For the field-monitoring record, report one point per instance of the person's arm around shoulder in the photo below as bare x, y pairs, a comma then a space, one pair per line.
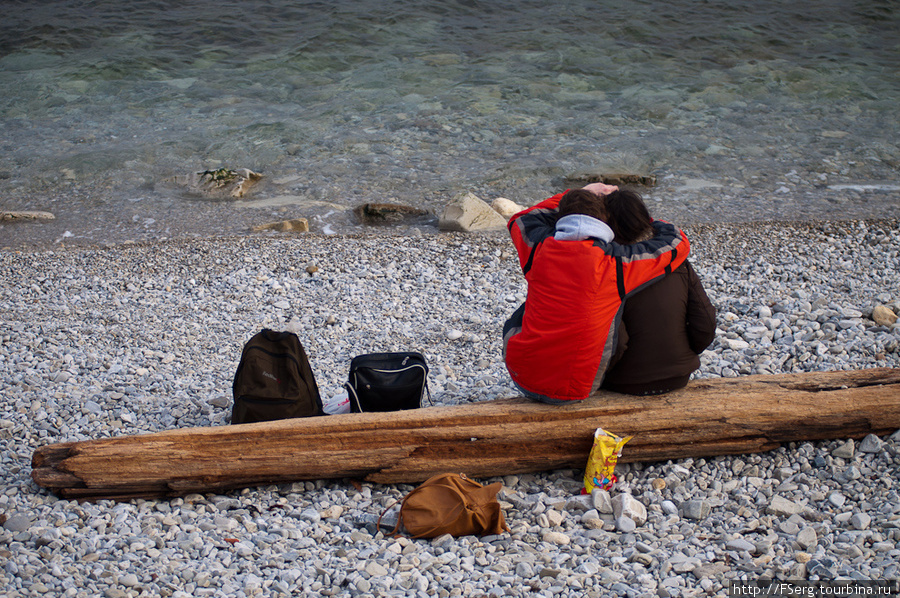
701, 315
532, 225
551, 204
663, 253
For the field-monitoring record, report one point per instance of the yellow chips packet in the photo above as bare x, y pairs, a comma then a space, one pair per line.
601, 465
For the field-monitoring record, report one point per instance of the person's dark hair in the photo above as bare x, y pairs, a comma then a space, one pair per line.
629, 218
582, 201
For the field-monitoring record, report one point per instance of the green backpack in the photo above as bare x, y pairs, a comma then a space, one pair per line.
274, 380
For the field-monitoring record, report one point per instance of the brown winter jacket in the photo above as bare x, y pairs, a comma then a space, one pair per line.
664, 329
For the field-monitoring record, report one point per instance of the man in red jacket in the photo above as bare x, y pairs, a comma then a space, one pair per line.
558, 344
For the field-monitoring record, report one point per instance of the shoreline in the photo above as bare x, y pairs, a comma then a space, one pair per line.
406, 231
144, 337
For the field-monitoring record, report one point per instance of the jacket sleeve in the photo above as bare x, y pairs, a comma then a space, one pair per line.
532, 225
642, 263
701, 315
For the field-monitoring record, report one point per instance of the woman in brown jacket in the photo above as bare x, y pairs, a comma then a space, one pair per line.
665, 326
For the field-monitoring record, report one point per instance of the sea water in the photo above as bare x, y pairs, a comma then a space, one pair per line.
743, 111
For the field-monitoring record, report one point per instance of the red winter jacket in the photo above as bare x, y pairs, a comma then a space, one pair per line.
558, 344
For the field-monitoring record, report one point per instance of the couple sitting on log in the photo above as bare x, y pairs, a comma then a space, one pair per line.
612, 300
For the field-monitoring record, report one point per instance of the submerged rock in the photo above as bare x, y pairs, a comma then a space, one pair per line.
27, 215
299, 225
387, 213
617, 169
611, 178
222, 183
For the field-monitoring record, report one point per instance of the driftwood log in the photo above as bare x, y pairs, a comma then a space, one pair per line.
709, 417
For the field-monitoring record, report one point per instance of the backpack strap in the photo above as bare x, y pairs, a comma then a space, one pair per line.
396, 531
354, 400
428, 391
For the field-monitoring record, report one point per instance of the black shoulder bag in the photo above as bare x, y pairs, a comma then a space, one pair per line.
387, 382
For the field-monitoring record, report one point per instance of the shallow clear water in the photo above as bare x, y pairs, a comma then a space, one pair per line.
744, 111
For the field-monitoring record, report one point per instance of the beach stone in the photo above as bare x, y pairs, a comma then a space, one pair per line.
593, 522
590, 514
824, 568
625, 524
884, 316
220, 401
555, 538
837, 499
625, 505
782, 506
524, 570
860, 521
696, 509
602, 501
842, 518
332, 512
735, 344
375, 570
579, 503
740, 545
709, 570
18, 523
554, 518
871, 444
844, 450
669, 508
506, 207
807, 538
469, 213
849, 474
789, 527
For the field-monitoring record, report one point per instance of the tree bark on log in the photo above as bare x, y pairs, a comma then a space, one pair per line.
707, 418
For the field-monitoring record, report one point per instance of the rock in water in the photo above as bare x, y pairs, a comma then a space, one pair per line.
14, 216
387, 213
298, 225
222, 183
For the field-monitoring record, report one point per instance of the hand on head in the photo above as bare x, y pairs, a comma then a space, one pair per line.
600, 189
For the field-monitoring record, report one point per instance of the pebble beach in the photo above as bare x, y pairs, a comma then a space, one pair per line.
144, 337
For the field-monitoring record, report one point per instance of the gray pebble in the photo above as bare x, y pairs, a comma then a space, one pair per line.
696, 509
18, 523
625, 524
871, 444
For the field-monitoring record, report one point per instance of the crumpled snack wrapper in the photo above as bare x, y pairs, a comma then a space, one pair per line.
601, 465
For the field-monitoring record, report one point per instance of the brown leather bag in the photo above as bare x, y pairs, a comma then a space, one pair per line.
451, 503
